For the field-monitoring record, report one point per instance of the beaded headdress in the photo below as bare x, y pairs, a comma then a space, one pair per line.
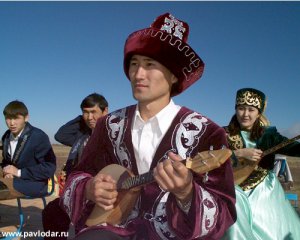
251, 97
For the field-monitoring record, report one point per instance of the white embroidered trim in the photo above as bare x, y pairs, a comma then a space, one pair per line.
173, 26
68, 204
188, 132
160, 220
209, 211
185, 138
182, 47
116, 127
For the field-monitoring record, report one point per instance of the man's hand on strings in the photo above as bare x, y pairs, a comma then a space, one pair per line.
173, 176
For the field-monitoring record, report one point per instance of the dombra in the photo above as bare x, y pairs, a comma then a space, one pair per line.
245, 167
129, 186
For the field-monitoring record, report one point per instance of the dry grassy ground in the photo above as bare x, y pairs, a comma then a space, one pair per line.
61, 153
32, 208
294, 164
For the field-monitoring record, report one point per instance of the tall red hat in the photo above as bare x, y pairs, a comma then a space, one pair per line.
166, 42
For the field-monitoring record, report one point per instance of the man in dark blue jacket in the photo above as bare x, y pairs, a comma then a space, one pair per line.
75, 134
28, 157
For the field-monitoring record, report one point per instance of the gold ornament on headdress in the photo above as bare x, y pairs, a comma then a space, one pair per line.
249, 98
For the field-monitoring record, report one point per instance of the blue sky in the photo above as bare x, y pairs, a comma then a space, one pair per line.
53, 54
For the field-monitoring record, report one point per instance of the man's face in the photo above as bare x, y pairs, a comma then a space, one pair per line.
150, 80
16, 124
91, 115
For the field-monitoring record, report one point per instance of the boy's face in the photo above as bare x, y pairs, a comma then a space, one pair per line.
16, 124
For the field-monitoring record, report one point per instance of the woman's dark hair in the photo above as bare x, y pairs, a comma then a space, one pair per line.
234, 128
93, 100
15, 108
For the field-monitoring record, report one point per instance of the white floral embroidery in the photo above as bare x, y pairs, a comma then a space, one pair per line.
184, 138
188, 133
160, 220
210, 211
68, 193
116, 128
173, 25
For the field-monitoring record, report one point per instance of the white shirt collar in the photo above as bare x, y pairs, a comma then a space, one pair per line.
13, 138
146, 136
161, 120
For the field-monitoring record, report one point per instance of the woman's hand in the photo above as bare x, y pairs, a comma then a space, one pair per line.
251, 154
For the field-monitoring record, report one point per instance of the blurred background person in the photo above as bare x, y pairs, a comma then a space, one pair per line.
74, 133
262, 210
28, 158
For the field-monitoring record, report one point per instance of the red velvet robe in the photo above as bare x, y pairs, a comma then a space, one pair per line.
156, 212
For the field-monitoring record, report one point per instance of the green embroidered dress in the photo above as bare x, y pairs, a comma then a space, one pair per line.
262, 211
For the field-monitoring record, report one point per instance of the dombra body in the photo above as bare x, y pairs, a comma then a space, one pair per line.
129, 186
245, 167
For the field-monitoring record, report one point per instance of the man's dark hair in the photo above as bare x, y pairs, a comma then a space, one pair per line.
93, 100
15, 108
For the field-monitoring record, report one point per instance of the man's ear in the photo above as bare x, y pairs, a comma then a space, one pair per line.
27, 118
174, 79
105, 111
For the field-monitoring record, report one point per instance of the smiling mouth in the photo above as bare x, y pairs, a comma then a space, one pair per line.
138, 85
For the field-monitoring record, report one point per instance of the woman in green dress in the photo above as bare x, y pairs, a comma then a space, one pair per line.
263, 212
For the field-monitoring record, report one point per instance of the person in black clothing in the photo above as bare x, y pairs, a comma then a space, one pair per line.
75, 134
